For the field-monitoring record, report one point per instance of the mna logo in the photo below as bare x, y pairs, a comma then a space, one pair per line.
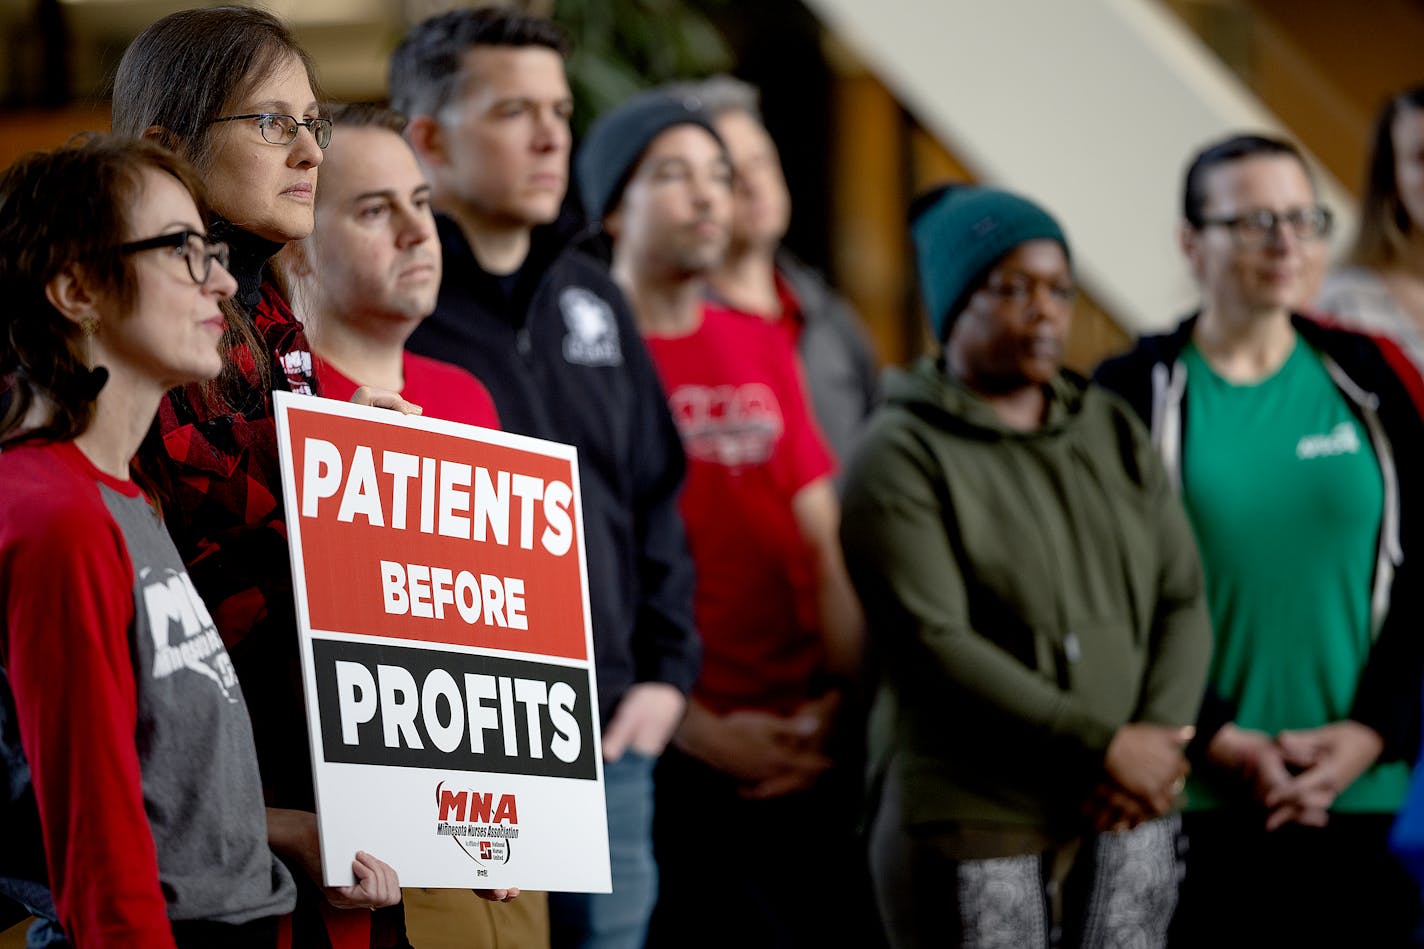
475, 808
482, 825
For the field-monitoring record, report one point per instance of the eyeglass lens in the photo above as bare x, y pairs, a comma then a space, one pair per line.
200, 254
282, 129
1304, 223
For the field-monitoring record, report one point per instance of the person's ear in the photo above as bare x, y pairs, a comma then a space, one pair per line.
427, 139
1189, 240
297, 265
613, 222
165, 137
70, 292
296, 259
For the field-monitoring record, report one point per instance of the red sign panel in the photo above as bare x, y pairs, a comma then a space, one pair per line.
421, 535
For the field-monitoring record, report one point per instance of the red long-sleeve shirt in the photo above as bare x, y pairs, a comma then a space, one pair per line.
130, 716
69, 602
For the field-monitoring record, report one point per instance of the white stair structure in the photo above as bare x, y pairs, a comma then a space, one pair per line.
1092, 107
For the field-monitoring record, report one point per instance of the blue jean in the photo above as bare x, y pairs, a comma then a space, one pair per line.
617, 920
44, 932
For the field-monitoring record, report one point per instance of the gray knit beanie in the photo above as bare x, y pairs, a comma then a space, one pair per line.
617, 139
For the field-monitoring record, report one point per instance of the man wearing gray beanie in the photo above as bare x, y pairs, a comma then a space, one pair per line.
1034, 588
617, 140
780, 626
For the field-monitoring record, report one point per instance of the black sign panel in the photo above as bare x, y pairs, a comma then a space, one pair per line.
426, 708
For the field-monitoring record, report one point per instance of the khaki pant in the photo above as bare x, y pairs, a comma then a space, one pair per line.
458, 919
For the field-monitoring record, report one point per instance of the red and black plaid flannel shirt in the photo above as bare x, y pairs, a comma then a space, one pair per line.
224, 490
223, 506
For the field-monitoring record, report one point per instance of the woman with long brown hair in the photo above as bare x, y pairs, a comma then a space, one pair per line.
1380, 290
230, 89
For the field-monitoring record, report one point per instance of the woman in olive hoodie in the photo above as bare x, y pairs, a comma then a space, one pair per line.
1035, 601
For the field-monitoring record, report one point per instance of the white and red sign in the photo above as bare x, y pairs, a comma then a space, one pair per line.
442, 603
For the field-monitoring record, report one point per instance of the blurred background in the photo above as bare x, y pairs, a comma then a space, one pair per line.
1092, 107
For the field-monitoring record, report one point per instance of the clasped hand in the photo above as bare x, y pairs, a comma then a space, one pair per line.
1297, 775
1146, 770
771, 755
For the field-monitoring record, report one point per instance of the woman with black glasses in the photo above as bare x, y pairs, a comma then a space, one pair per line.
229, 88
121, 719
1296, 449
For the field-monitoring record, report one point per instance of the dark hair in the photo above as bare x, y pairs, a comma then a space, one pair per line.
1384, 221
427, 65
180, 74
186, 69
364, 115
1224, 151
59, 209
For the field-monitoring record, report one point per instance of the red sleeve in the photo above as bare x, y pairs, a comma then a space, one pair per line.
67, 619
1404, 368
333, 384
449, 392
807, 456
486, 415
1398, 361
465, 399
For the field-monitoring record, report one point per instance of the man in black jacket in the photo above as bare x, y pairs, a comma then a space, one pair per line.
547, 331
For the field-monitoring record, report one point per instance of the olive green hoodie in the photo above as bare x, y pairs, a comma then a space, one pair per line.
1026, 594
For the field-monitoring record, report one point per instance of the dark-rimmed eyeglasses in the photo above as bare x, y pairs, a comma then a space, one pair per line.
279, 129
197, 249
1255, 228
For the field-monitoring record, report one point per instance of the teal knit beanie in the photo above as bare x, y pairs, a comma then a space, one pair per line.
962, 231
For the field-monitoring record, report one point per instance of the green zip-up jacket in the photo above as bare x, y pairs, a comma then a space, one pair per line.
1026, 594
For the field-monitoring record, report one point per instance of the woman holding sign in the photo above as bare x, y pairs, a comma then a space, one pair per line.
229, 89
121, 719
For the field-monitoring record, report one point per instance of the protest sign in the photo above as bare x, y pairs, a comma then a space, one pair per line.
442, 605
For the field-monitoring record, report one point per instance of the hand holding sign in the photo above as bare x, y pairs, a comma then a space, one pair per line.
293, 835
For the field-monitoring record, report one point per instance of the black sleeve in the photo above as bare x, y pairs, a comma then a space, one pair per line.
666, 647
867, 369
1216, 713
1387, 697
1129, 377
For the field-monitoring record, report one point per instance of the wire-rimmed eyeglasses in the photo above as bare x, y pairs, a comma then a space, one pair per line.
280, 129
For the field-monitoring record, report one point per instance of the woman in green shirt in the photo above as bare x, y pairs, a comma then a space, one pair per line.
1292, 445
